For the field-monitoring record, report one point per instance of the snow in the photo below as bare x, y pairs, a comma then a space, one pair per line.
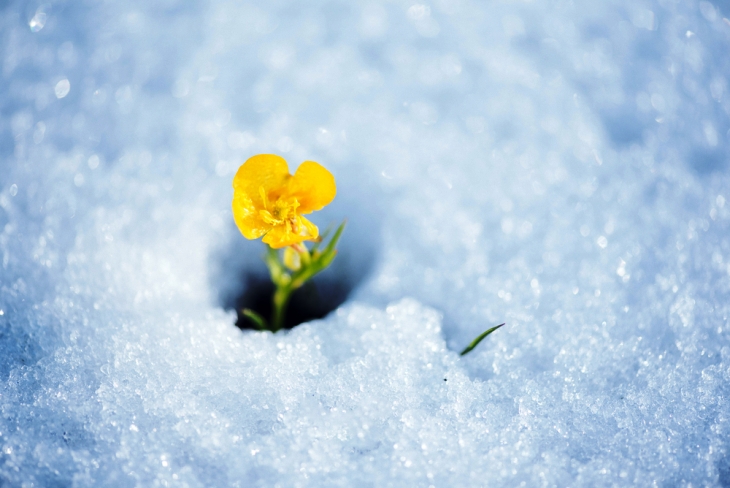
559, 167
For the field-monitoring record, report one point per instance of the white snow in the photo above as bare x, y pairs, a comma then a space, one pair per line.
559, 166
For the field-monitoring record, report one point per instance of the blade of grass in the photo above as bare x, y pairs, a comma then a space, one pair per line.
257, 319
333, 242
322, 237
479, 339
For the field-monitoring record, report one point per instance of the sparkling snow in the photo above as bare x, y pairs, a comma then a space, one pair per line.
559, 166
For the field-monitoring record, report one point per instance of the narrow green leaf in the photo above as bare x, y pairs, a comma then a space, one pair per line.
335, 238
305, 274
257, 319
322, 238
476, 341
328, 258
319, 261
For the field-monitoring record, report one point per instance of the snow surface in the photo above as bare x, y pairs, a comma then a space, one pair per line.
559, 166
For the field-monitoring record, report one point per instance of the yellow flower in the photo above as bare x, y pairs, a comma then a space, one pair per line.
269, 202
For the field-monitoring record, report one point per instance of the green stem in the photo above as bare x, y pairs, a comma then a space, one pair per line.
281, 300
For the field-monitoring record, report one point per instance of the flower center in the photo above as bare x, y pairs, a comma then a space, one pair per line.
283, 210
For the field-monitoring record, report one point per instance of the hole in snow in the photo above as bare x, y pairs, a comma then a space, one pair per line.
314, 300
242, 279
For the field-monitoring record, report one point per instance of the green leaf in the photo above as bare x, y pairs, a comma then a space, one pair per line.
335, 238
476, 341
322, 238
257, 319
328, 258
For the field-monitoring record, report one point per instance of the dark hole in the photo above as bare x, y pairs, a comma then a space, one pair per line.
313, 301
245, 283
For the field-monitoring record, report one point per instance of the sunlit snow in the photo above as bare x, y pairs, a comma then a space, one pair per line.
559, 166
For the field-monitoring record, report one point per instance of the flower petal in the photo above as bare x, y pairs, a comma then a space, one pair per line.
279, 237
283, 235
308, 228
267, 171
313, 186
247, 217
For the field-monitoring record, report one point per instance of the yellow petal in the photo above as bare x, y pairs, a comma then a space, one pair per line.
284, 235
263, 171
310, 230
247, 217
279, 237
313, 186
